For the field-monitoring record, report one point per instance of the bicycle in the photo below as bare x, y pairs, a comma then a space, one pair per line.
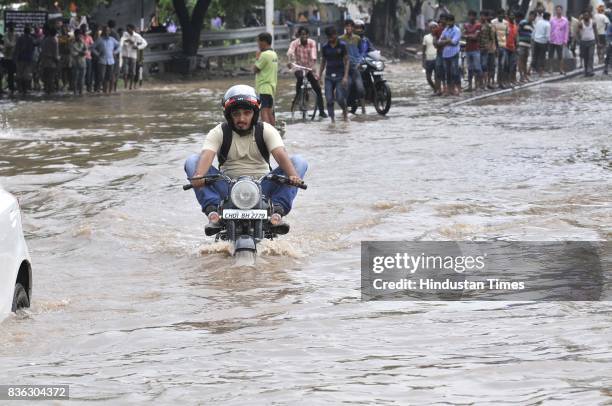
306, 99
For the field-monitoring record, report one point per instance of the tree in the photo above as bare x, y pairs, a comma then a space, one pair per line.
191, 25
84, 6
384, 21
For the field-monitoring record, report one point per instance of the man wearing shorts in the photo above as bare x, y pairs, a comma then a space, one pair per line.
266, 73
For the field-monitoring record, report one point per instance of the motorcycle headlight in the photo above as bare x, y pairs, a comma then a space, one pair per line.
245, 194
379, 65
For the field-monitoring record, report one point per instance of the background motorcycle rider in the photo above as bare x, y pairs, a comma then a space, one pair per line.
241, 109
365, 45
352, 42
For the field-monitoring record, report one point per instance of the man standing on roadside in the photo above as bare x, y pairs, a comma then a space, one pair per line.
49, 59
105, 48
525, 33
471, 33
450, 38
608, 60
8, 64
500, 25
511, 45
541, 37
131, 43
587, 30
559, 36
429, 57
487, 49
602, 22
116, 67
266, 74
24, 60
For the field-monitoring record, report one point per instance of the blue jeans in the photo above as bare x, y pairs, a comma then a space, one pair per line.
474, 65
502, 63
451, 66
333, 86
511, 62
440, 71
214, 193
356, 80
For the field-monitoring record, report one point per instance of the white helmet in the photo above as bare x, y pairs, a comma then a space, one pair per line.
243, 96
358, 23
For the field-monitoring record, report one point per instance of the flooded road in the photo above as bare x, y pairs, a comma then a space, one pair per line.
132, 303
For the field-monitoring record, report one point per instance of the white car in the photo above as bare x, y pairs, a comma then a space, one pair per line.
15, 263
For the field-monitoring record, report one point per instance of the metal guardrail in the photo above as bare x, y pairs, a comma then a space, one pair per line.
165, 47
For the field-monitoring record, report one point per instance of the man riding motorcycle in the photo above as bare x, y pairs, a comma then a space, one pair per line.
243, 146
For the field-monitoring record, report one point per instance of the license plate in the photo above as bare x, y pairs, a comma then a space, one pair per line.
234, 214
377, 73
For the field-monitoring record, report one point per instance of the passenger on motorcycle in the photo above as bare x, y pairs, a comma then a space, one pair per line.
352, 42
243, 146
365, 45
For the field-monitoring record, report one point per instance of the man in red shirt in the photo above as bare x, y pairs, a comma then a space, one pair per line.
471, 33
511, 46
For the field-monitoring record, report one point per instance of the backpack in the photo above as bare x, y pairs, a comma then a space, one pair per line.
227, 143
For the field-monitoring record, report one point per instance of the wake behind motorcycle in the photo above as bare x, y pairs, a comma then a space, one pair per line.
246, 216
377, 90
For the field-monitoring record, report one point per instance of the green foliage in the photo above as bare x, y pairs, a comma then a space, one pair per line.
84, 6
231, 10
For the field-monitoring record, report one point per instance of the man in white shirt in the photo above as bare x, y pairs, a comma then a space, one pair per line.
601, 23
131, 43
541, 38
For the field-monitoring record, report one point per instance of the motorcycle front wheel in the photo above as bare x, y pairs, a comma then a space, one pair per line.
382, 98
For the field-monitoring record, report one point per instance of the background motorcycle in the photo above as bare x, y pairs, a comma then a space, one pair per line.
377, 91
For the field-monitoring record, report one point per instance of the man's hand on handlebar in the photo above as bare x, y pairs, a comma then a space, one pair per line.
197, 183
295, 180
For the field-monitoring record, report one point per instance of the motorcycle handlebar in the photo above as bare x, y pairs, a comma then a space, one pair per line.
285, 181
208, 179
275, 178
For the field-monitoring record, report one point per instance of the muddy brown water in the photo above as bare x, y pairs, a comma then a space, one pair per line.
133, 304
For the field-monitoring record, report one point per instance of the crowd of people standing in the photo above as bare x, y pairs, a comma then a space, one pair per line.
56, 58
504, 49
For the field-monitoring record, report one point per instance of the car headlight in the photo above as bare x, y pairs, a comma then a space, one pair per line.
245, 194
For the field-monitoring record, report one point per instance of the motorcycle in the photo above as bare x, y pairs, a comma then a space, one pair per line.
377, 91
245, 217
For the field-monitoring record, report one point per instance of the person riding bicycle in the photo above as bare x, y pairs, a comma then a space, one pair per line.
243, 145
303, 51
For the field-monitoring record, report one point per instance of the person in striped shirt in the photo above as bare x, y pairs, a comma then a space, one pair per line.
525, 32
